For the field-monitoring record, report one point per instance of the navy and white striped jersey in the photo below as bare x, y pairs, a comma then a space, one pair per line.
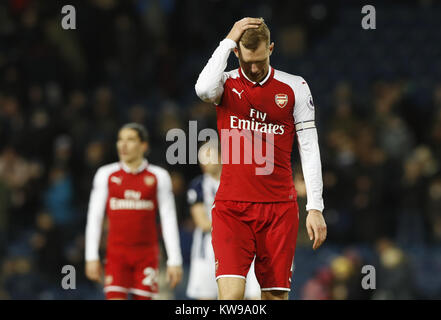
202, 189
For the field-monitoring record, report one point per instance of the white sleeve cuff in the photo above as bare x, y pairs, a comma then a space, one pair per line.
315, 206
174, 262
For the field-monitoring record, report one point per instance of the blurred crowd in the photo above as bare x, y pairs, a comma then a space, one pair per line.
65, 93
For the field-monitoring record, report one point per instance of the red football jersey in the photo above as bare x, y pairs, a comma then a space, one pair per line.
131, 208
265, 116
263, 113
131, 201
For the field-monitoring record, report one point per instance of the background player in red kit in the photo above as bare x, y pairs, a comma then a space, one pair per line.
131, 192
257, 214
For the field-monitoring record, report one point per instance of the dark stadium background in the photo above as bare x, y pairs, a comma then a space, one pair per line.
64, 94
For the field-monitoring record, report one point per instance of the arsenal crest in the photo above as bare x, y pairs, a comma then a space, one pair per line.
149, 181
281, 99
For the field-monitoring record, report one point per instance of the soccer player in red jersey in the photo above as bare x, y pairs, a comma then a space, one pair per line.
131, 192
255, 213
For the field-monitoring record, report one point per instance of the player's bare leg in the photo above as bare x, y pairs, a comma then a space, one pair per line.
275, 295
231, 288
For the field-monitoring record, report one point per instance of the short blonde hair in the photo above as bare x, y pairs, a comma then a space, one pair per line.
251, 38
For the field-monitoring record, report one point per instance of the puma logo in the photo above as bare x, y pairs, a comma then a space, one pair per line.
116, 180
238, 93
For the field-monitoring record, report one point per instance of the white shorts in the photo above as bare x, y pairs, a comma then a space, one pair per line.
201, 282
202, 279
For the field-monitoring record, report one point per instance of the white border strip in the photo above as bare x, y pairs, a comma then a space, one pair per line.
231, 276
115, 289
138, 292
275, 288
143, 293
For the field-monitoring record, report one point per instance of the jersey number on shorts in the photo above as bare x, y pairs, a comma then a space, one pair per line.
150, 276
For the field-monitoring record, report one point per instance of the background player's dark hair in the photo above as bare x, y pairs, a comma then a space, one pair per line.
139, 128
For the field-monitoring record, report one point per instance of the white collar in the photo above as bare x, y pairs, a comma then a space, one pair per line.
141, 167
261, 82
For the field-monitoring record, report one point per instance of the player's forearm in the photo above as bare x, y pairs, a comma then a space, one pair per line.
170, 233
209, 86
95, 217
312, 168
169, 221
200, 217
170, 230
92, 240
95, 214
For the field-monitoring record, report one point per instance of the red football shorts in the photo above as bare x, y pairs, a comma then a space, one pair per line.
131, 270
242, 230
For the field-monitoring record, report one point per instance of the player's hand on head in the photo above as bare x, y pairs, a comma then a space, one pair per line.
174, 275
316, 226
241, 26
94, 270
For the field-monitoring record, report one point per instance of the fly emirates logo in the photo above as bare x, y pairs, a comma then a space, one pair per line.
255, 123
132, 201
250, 142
